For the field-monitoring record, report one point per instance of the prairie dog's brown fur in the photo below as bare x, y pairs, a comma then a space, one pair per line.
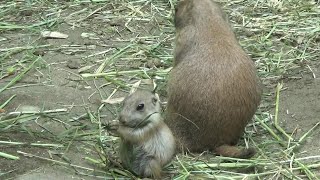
213, 88
147, 143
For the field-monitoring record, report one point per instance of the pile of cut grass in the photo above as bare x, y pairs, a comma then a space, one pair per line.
280, 36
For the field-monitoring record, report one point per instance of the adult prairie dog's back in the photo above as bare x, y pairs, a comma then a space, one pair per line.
202, 26
213, 89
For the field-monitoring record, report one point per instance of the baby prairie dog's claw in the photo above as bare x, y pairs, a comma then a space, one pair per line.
113, 125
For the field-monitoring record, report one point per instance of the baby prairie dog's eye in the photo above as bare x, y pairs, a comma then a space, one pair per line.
140, 107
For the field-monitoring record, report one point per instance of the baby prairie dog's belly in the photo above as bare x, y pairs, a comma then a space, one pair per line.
161, 145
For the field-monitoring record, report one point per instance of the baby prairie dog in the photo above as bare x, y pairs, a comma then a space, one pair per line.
147, 143
213, 88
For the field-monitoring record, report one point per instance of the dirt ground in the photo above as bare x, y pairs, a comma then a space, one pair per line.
299, 112
56, 88
299, 108
55, 84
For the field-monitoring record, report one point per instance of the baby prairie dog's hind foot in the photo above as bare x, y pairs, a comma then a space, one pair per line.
148, 166
235, 152
153, 169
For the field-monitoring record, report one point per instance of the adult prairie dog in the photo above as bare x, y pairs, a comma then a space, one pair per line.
213, 88
147, 143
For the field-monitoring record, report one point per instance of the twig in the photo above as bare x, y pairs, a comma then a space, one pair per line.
9, 156
38, 112
59, 162
7, 101
276, 123
18, 77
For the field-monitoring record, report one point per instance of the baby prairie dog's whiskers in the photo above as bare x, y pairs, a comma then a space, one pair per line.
145, 120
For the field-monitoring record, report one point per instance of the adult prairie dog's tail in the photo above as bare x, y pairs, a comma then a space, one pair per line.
235, 152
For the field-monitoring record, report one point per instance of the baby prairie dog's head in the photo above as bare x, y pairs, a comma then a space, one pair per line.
140, 108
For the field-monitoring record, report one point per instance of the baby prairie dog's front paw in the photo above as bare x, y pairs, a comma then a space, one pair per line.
114, 125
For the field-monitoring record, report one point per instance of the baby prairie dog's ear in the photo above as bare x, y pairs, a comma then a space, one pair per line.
155, 99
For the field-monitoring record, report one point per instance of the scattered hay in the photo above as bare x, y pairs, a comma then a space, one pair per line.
133, 40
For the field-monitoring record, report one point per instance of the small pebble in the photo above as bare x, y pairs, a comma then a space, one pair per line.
153, 62
39, 53
26, 13
116, 22
73, 64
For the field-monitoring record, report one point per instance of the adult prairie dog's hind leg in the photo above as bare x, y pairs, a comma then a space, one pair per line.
147, 166
234, 151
